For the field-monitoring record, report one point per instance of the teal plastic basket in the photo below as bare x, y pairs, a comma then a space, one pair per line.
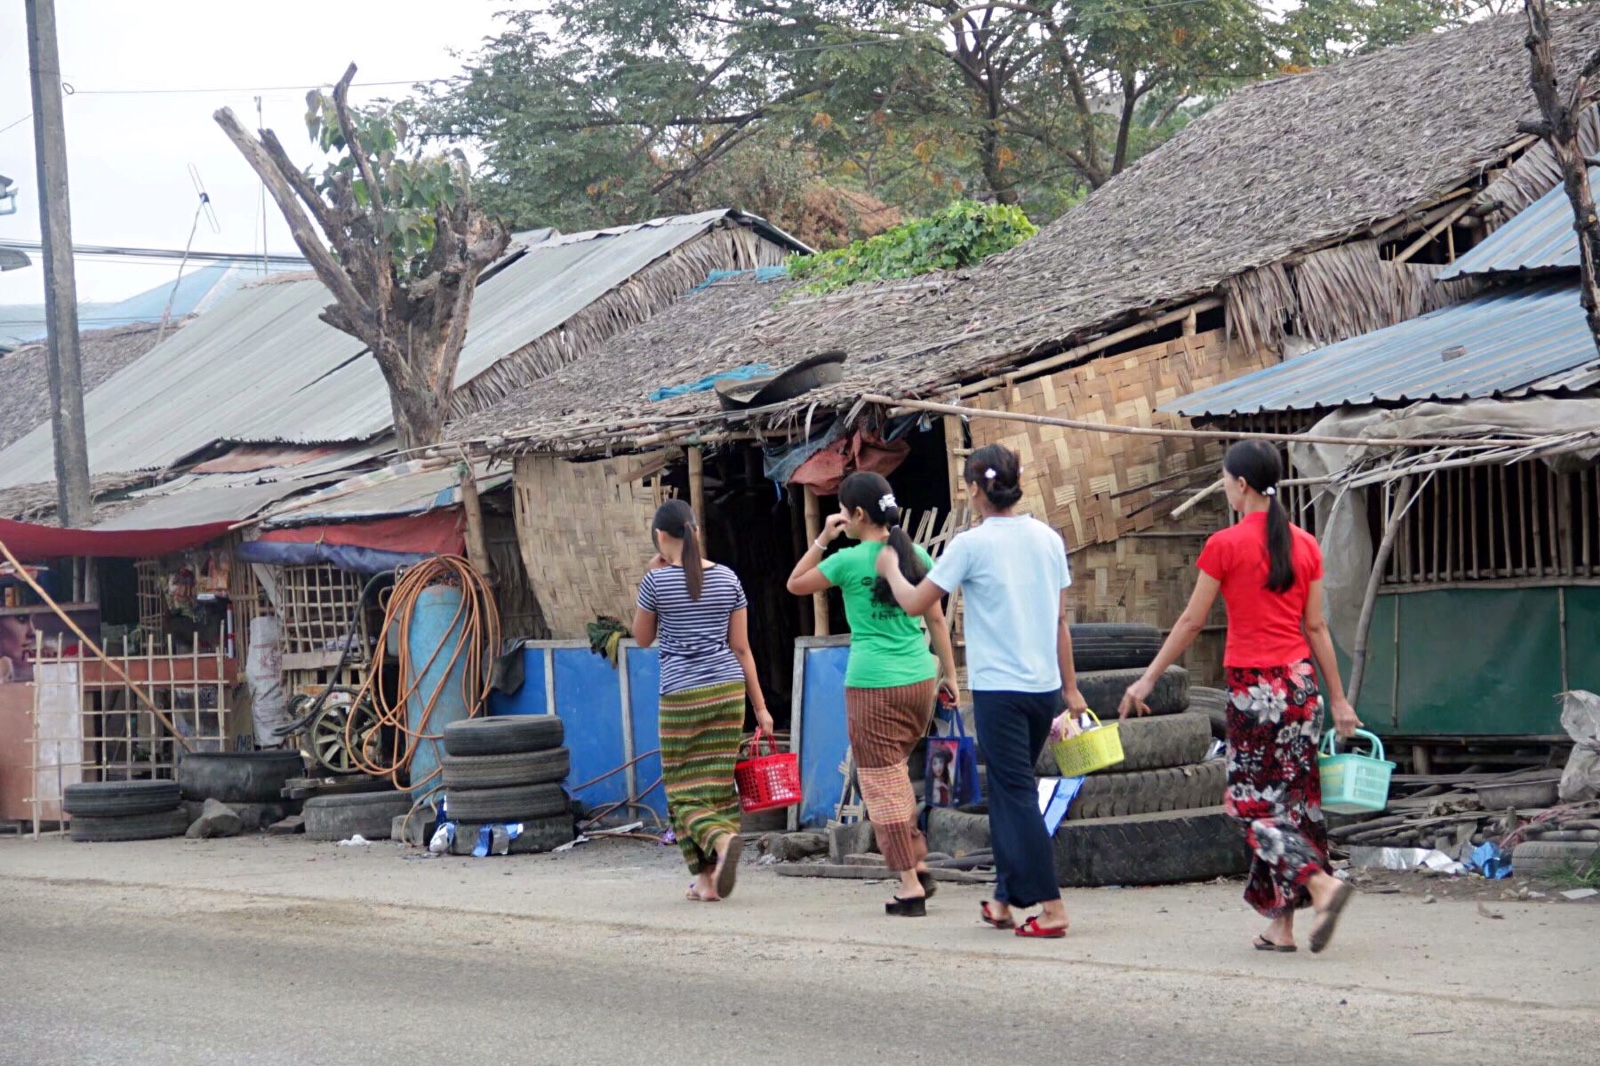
1354, 783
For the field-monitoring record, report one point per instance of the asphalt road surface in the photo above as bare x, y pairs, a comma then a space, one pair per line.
100, 973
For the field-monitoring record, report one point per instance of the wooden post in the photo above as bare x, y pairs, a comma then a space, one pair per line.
1380, 562
697, 490
819, 600
75, 498
955, 442
477, 543
797, 527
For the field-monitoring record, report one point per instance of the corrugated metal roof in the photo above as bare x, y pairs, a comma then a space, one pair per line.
404, 489
197, 507
1528, 339
263, 368
1540, 237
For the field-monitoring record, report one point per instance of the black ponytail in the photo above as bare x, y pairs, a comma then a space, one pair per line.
676, 519
997, 470
872, 494
1258, 465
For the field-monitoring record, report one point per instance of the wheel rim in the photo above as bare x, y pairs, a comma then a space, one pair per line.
328, 732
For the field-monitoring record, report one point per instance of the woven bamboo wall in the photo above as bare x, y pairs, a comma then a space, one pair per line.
1076, 479
584, 530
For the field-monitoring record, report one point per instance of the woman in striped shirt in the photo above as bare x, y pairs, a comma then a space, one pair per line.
697, 610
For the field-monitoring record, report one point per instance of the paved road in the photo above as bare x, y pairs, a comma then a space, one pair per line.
101, 973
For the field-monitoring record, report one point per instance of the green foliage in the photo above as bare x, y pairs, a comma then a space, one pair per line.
411, 192
962, 234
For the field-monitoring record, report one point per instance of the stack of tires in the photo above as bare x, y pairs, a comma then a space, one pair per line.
104, 811
1156, 817
508, 770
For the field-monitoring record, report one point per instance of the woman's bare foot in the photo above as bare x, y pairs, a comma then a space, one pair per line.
704, 889
1280, 933
1053, 915
910, 886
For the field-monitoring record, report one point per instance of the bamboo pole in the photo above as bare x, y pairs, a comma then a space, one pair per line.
472, 508
144, 698
819, 600
1369, 600
1214, 434
697, 487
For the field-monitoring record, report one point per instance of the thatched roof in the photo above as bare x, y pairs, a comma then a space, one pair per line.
25, 380
1279, 170
37, 502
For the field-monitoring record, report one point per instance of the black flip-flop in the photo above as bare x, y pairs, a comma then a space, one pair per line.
900, 907
728, 866
1263, 944
1328, 920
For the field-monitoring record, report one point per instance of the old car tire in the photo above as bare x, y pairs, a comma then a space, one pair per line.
238, 776
1213, 703
156, 826
1103, 689
502, 771
1179, 788
1150, 849
538, 835
1114, 645
369, 814
518, 804
113, 799
1536, 858
506, 735
1154, 743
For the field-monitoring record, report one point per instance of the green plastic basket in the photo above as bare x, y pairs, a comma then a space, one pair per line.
1354, 783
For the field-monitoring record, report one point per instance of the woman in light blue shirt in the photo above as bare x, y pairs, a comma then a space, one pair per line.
1013, 572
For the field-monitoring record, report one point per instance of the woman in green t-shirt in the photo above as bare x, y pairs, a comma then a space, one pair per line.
891, 679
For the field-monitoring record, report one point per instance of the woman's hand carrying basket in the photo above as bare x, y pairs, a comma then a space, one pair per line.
1093, 749
1354, 784
767, 780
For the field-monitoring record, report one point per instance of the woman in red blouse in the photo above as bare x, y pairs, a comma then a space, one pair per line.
1269, 573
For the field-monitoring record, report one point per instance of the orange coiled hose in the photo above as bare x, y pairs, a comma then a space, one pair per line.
479, 624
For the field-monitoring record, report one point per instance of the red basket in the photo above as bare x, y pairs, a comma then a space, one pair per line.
767, 780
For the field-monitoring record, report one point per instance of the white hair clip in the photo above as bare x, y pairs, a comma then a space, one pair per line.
886, 501
989, 473
1271, 491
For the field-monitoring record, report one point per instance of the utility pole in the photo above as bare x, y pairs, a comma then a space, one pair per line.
75, 499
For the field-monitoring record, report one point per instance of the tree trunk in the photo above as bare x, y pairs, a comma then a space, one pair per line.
1559, 127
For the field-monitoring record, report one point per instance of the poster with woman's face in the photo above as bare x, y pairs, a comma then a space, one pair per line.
21, 628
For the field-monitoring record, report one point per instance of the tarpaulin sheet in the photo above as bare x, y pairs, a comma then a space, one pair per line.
33, 543
355, 559
433, 533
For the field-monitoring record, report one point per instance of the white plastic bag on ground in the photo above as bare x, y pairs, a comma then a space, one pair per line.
1581, 719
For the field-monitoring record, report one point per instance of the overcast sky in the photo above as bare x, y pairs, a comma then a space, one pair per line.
129, 148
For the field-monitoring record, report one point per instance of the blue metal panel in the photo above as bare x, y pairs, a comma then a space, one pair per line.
1540, 237
530, 698
644, 693
823, 739
1528, 339
589, 702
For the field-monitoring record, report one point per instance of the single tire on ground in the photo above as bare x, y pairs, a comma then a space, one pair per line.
957, 833
518, 804
113, 799
1114, 646
1103, 689
1154, 743
1213, 703
1150, 849
369, 814
238, 776
538, 835
503, 771
1539, 858
1180, 788
156, 826
506, 735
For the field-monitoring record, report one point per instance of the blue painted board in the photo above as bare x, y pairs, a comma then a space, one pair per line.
823, 738
644, 692
589, 704
530, 698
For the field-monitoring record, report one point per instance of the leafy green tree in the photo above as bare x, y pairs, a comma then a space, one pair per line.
962, 234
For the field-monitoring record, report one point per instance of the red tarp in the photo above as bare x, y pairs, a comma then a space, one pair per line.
432, 533
32, 543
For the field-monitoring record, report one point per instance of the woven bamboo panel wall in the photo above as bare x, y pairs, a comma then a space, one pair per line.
1077, 480
584, 530
1073, 475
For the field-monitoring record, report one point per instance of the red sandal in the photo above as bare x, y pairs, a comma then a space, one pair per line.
998, 923
1033, 930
